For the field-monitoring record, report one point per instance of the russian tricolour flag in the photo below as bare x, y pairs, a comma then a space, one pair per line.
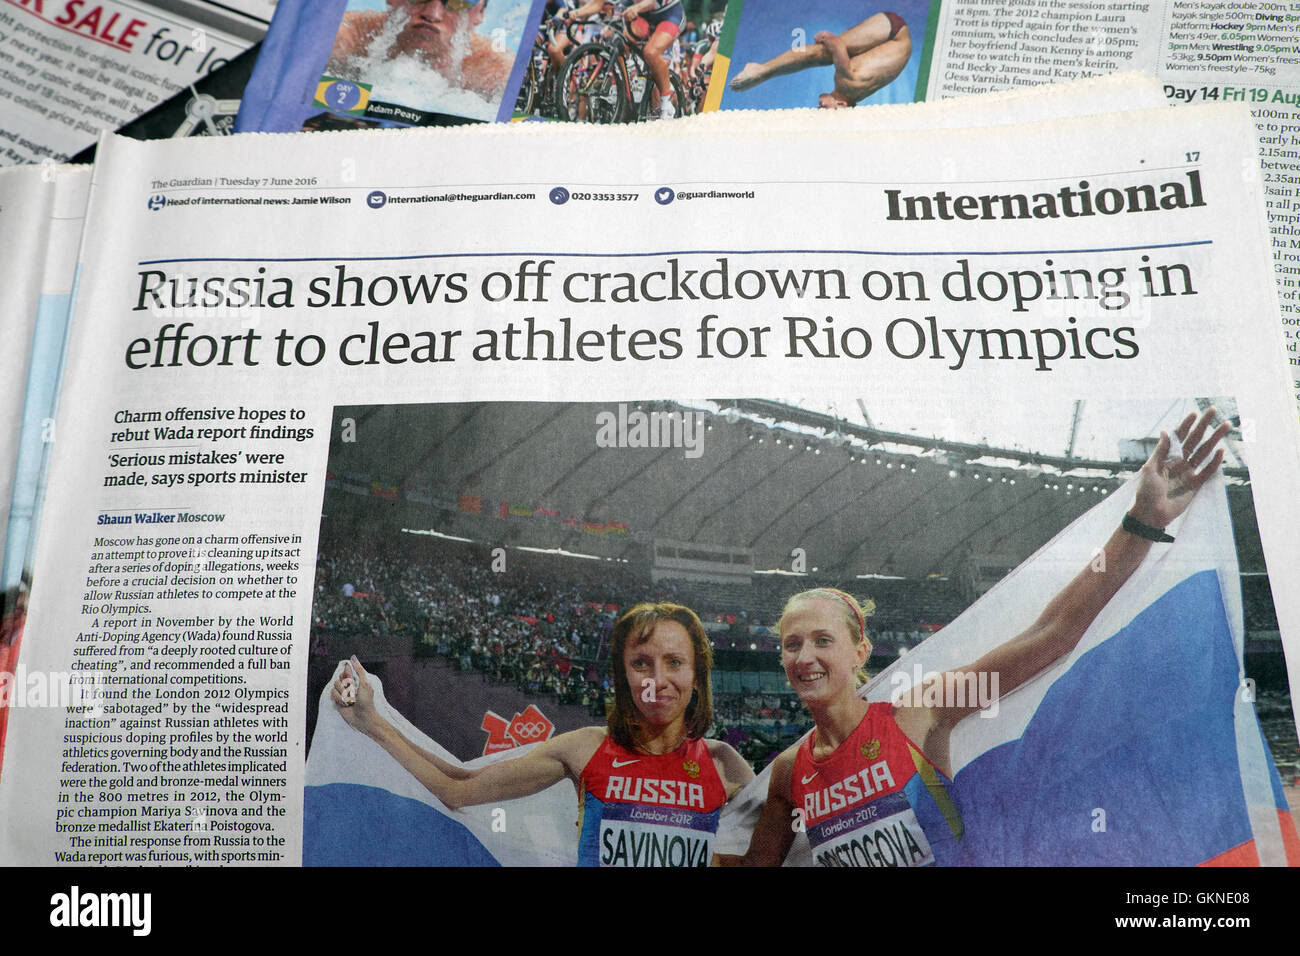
361, 807
1139, 748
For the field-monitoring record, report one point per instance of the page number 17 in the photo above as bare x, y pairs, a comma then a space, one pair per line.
1194, 156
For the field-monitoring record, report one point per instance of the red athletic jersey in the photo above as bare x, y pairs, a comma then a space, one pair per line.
875, 801
638, 809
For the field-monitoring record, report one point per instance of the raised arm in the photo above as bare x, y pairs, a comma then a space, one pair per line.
584, 12
638, 8
1166, 485
547, 764
774, 832
734, 770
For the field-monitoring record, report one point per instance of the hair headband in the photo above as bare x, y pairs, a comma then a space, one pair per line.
862, 627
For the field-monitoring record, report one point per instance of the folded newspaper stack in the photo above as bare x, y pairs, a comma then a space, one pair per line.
453, 400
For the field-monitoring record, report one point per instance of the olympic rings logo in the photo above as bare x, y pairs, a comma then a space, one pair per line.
528, 727
531, 729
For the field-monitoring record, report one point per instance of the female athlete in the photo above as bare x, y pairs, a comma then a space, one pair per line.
868, 767
650, 786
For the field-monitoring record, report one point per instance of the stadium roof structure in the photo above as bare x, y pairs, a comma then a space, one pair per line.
767, 477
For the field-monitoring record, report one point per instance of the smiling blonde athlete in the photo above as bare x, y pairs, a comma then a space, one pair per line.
869, 785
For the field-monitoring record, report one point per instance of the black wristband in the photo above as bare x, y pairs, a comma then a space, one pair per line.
1133, 526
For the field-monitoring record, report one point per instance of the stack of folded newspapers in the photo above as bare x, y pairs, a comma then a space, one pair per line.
454, 399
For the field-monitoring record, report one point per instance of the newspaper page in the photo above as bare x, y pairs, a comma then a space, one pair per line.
34, 407
403, 413
71, 68
1201, 50
25, 199
44, 206
37, 428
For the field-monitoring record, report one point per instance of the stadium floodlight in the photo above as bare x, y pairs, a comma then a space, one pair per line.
436, 534
559, 552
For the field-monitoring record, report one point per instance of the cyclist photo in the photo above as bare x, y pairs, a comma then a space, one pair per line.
596, 61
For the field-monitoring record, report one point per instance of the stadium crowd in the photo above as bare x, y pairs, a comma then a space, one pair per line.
541, 623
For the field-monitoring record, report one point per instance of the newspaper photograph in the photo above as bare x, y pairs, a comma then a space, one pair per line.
480, 616
332, 481
376, 64
427, 56
856, 53
599, 62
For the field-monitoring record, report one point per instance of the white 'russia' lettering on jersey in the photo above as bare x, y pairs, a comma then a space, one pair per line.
670, 793
852, 789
